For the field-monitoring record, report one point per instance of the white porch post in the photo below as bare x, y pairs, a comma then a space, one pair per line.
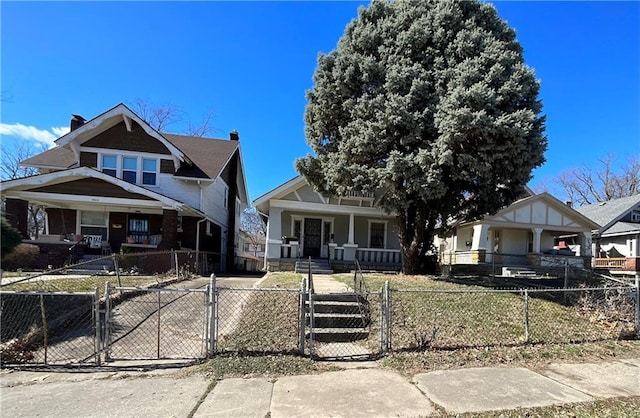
480, 233
537, 233
350, 247
274, 233
351, 229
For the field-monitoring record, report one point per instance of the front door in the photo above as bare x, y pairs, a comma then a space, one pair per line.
312, 237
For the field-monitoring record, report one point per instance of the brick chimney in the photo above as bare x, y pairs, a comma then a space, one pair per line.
233, 135
76, 122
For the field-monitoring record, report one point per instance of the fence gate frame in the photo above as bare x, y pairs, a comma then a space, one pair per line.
209, 317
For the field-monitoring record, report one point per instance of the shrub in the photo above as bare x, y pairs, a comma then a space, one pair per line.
11, 237
23, 256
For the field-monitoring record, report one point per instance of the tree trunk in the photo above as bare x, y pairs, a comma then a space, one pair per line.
411, 234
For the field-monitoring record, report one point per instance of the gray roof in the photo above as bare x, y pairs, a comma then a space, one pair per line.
623, 228
606, 213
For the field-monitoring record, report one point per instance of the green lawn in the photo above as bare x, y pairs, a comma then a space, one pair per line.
85, 284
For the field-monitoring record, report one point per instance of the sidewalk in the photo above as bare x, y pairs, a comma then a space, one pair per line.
352, 392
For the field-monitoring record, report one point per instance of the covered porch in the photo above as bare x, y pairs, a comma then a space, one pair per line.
104, 215
337, 233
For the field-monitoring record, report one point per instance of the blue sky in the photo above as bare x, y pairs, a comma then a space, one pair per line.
251, 63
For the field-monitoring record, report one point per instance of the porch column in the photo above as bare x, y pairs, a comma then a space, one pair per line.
169, 230
585, 244
632, 245
274, 233
537, 233
480, 233
16, 210
351, 229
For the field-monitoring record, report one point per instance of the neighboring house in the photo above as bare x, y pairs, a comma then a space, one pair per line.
617, 239
252, 250
527, 232
252, 244
117, 184
303, 223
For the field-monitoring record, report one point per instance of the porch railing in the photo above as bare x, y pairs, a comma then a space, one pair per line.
610, 262
378, 255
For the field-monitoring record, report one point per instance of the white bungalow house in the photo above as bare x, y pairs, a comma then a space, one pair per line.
115, 183
303, 223
526, 233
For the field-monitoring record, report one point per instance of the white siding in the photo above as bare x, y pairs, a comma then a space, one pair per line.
213, 202
513, 241
184, 191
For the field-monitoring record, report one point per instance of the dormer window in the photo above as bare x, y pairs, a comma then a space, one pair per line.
132, 169
129, 169
110, 165
149, 170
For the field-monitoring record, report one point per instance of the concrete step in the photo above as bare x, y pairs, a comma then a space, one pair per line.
337, 320
338, 297
335, 307
339, 334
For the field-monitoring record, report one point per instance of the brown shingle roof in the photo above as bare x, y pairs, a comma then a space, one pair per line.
58, 157
209, 155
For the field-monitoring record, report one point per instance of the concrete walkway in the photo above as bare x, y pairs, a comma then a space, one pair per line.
346, 393
324, 283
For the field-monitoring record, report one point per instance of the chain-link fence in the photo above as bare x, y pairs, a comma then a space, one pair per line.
127, 322
156, 323
49, 328
422, 319
133, 269
256, 320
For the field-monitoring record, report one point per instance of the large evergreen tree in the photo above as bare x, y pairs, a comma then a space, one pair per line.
429, 101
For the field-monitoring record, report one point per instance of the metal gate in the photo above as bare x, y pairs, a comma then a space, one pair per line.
160, 323
343, 325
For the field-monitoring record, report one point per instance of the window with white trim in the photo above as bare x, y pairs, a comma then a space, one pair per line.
110, 165
377, 234
129, 169
149, 171
132, 169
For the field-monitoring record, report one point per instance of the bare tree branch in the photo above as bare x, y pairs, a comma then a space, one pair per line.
10, 169
601, 182
255, 228
14, 154
161, 117
203, 128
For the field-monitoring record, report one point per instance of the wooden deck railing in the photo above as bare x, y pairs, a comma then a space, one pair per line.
610, 262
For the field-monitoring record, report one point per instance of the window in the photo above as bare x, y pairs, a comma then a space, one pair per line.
138, 228
134, 170
327, 235
225, 196
377, 233
94, 223
635, 216
149, 170
129, 169
110, 165
297, 229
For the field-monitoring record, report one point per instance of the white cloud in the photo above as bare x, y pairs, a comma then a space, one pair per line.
31, 133
60, 130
